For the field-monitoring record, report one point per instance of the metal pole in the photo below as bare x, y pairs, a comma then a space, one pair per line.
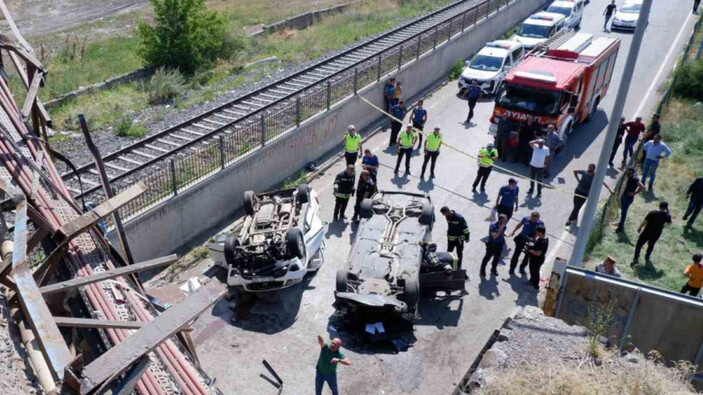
378, 76
263, 130
419, 42
356, 80
329, 94
400, 57
633, 307
449, 31
592, 201
221, 143
434, 44
174, 183
298, 115
463, 22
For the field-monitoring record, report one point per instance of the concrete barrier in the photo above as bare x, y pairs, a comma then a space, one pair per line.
303, 21
195, 212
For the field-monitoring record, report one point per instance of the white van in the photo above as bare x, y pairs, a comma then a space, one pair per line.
490, 64
572, 11
538, 28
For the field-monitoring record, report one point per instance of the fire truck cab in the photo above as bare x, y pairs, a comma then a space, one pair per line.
558, 83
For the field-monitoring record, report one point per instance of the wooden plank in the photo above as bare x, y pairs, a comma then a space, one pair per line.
107, 275
31, 95
96, 323
117, 359
13, 27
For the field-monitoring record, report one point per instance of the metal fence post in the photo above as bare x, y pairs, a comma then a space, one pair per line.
434, 43
463, 22
174, 184
378, 77
400, 57
221, 143
419, 42
329, 94
263, 130
449, 31
356, 79
298, 115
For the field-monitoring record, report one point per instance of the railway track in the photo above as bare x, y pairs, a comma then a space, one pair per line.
227, 118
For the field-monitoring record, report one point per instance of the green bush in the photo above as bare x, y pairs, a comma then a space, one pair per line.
457, 68
125, 127
185, 36
689, 80
165, 85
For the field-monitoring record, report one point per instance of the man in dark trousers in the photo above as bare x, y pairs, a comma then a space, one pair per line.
486, 156
618, 140
633, 130
507, 198
330, 357
389, 94
529, 230
650, 229
694, 273
695, 194
473, 92
352, 145
608, 12
696, 3
494, 245
418, 118
364, 190
585, 180
406, 141
633, 187
457, 232
398, 112
432, 145
343, 190
541, 155
370, 162
537, 251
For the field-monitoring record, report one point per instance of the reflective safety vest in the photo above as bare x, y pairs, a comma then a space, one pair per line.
457, 228
488, 154
351, 143
433, 142
344, 185
406, 139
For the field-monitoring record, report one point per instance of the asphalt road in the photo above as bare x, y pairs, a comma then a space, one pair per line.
451, 331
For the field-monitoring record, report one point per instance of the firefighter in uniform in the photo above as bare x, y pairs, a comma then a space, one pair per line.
432, 144
457, 232
352, 145
406, 141
486, 156
364, 190
343, 190
433, 261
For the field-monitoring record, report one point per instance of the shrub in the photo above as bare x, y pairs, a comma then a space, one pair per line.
165, 85
689, 80
457, 68
125, 127
185, 36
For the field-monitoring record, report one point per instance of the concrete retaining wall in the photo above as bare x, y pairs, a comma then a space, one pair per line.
302, 21
182, 219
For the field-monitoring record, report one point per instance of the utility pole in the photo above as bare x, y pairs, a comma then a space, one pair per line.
592, 202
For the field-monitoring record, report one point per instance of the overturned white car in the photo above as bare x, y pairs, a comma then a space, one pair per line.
276, 244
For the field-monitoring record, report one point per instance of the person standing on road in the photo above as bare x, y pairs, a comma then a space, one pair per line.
474, 93
695, 194
650, 229
406, 141
608, 267
537, 251
554, 142
419, 117
633, 187
633, 130
696, 3
398, 112
507, 198
457, 232
494, 245
486, 156
618, 140
389, 94
654, 128
370, 163
365, 189
540, 160
352, 145
398, 92
585, 180
432, 144
608, 12
694, 273
343, 190
529, 230
655, 151
331, 355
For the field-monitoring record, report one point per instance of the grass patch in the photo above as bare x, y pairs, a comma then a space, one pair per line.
681, 126
457, 68
127, 128
293, 182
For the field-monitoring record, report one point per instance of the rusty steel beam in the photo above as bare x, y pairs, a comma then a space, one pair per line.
132, 376
106, 275
117, 359
96, 323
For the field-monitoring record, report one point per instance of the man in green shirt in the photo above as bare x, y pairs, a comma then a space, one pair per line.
486, 156
352, 145
326, 370
432, 144
406, 141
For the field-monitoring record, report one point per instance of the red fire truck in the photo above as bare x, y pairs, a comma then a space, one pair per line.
560, 82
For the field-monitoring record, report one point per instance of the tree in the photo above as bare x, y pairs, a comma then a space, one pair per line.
185, 36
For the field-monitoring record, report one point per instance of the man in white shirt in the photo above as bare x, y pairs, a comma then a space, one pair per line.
540, 160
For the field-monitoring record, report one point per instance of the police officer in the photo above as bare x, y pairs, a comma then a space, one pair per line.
486, 156
343, 190
352, 145
474, 93
406, 141
432, 144
364, 190
398, 112
457, 232
494, 245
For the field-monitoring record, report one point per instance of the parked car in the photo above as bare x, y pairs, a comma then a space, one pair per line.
626, 16
490, 64
572, 11
538, 28
276, 244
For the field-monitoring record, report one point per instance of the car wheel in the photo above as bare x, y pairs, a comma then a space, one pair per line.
231, 244
341, 281
366, 208
427, 215
295, 242
411, 292
250, 203
303, 193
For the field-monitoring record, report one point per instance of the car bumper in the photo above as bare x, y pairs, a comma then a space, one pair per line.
267, 283
623, 25
487, 87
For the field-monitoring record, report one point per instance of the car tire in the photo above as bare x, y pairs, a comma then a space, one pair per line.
295, 242
341, 281
250, 203
411, 292
303, 193
231, 244
366, 211
427, 215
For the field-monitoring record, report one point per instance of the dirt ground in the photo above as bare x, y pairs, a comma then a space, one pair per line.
15, 374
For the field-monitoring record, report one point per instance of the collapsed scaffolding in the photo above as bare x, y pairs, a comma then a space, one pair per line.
82, 311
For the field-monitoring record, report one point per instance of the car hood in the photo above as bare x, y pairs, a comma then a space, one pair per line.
626, 16
529, 41
479, 75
